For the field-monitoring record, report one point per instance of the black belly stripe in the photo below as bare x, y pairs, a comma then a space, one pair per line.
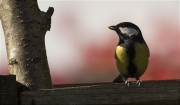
131, 54
131, 67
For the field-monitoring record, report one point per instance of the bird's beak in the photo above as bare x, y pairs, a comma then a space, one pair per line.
112, 27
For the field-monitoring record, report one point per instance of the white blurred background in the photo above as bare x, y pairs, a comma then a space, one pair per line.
80, 47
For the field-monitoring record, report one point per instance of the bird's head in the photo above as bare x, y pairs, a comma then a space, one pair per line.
126, 30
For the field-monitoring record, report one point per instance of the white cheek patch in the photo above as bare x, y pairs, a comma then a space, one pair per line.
129, 31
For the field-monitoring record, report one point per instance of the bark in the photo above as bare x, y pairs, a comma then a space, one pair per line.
24, 28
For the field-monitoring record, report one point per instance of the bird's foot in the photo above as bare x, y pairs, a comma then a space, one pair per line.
127, 83
138, 82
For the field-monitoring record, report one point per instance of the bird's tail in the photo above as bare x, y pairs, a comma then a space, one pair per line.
118, 79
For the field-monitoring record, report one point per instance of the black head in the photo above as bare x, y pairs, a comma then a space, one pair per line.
126, 30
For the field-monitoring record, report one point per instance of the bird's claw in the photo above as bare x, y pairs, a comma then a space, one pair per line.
138, 82
127, 83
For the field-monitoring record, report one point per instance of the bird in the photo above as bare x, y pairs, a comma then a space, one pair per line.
131, 53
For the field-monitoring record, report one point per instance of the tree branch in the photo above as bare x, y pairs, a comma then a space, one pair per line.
24, 28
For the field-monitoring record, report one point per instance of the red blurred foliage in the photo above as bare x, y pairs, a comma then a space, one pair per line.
165, 59
99, 57
60, 80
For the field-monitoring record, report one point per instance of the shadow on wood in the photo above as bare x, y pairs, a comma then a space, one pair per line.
150, 92
8, 90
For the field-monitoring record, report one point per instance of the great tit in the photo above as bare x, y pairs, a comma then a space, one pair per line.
131, 53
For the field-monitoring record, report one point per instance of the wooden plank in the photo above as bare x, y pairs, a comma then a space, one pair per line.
8, 90
160, 92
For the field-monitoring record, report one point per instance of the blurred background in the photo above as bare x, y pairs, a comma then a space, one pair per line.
80, 47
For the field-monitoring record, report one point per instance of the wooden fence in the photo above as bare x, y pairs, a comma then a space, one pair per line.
163, 92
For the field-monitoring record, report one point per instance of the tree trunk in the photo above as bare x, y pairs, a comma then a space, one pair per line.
24, 28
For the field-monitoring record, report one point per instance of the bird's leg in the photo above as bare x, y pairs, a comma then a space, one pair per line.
138, 81
126, 81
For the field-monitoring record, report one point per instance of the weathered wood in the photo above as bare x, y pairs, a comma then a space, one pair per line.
8, 90
159, 92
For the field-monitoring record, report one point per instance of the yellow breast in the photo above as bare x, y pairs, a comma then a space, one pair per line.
121, 60
141, 57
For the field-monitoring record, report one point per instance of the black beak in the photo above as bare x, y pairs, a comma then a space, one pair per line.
112, 27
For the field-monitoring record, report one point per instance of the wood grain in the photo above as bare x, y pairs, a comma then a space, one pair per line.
150, 92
